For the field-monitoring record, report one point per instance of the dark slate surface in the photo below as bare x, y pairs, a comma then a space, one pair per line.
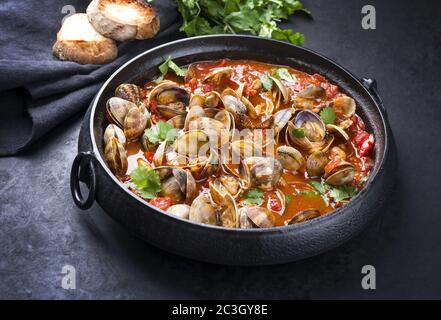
41, 230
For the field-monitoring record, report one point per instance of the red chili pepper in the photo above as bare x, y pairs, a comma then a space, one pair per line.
275, 204
366, 146
364, 142
360, 137
162, 203
149, 156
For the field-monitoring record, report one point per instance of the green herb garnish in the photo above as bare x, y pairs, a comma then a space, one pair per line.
363, 180
343, 192
328, 115
267, 82
146, 182
321, 188
253, 196
169, 64
163, 131
283, 74
309, 194
336, 193
288, 199
258, 17
288, 35
299, 132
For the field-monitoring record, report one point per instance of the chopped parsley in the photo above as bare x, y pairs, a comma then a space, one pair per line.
253, 196
162, 131
146, 181
328, 115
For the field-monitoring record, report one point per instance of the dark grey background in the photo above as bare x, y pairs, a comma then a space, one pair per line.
41, 230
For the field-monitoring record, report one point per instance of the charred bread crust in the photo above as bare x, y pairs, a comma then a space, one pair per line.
145, 25
85, 52
78, 41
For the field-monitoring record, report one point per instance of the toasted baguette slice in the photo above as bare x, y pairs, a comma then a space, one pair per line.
123, 20
78, 41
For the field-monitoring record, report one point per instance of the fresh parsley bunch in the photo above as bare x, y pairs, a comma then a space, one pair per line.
259, 17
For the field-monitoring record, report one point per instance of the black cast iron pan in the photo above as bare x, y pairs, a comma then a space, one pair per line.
217, 244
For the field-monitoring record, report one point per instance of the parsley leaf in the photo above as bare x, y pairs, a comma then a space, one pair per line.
343, 192
258, 17
283, 74
309, 194
321, 188
146, 182
328, 115
253, 196
363, 180
163, 131
288, 35
169, 64
299, 132
267, 82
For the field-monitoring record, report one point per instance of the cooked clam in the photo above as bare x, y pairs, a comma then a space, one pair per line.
260, 172
180, 210
308, 132
340, 173
290, 158
337, 131
116, 156
171, 110
315, 165
178, 121
193, 114
168, 92
344, 106
282, 89
193, 143
202, 210
128, 91
212, 99
310, 97
261, 217
228, 215
134, 124
224, 185
242, 149
233, 104
117, 108
337, 152
180, 186
217, 74
305, 215
244, 221
113, 131
281, 119
197, 100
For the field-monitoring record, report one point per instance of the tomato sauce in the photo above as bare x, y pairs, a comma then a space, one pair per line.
296, 186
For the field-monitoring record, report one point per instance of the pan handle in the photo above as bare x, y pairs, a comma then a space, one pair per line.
371, 85
83, 167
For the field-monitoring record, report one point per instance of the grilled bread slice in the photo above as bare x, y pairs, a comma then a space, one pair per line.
78, 41
123, 20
